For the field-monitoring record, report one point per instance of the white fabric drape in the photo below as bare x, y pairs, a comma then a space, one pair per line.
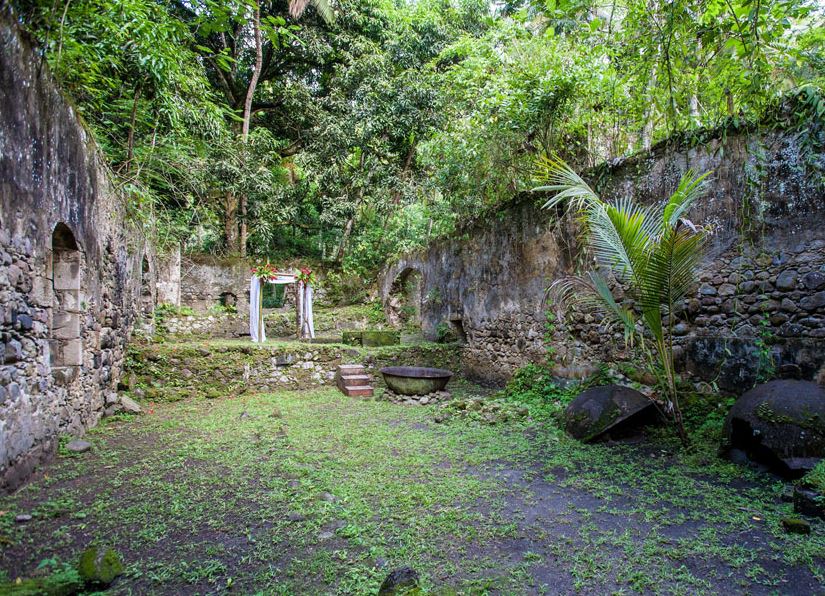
257, 330
307, 323
255, 322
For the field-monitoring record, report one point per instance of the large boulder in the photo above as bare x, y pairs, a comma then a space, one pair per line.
608, 408
99, 566
780, 424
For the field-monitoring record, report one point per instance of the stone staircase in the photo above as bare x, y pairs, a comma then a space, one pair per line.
353, 380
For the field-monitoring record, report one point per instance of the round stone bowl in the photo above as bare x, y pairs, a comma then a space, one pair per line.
415, 380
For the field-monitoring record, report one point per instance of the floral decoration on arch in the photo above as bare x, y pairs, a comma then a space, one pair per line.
307, 276
265, 271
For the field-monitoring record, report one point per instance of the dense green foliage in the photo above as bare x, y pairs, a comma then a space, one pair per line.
386, 124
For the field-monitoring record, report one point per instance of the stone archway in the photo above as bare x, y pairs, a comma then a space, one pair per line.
404, 300
65, 260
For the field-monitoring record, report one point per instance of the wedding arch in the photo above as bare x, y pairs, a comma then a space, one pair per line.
304, 279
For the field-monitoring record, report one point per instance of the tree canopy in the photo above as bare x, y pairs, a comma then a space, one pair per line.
351, 131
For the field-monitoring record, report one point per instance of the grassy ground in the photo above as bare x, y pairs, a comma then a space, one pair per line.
311, 492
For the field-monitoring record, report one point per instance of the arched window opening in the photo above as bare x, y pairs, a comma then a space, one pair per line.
147, 301
65, 345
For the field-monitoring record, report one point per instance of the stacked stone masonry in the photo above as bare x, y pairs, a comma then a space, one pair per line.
762, 280
70, 267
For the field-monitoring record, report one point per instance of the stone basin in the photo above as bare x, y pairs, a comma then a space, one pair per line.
415, 380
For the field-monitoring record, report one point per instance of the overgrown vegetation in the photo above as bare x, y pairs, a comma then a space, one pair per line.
651, 252
312, 492
367, 128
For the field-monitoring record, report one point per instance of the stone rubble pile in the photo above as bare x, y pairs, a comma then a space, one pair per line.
430, 398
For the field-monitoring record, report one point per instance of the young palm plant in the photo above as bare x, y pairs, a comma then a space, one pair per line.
652, 251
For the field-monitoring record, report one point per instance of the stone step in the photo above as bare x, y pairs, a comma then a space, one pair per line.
355, 380
350, 369
358, 391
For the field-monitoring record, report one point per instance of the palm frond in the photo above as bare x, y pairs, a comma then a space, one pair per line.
591, 294
619, 238
691, 187
670, 274
324, 8
567, 184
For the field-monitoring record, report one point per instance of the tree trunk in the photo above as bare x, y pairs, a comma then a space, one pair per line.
256, 73
130, 141
247, 116
339, 258
230, 222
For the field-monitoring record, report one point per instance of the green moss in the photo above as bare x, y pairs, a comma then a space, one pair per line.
816, 477
62, 582
99, 567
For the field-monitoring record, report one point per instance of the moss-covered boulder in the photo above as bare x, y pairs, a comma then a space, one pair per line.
608, 408
780, 424
99, 566
402, 581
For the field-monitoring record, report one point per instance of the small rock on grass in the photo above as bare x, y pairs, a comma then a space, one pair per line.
796, 525
78, 446
130, 406
329, 497
23, 518
403, 580
326, 535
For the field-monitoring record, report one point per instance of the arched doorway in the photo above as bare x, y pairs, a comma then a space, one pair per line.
404, 301
65, 344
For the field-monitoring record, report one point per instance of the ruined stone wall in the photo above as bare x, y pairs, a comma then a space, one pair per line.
762, 279
173, 371
207, 281
69, 272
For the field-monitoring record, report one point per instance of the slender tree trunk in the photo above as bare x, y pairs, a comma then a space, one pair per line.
650, 111
130, 141
230, 222
247, 116
342, 248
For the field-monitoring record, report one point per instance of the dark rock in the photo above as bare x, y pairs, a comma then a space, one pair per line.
796, 525
78, 446
786, 280
400, 581
780, 424
295, 517
99, 567
808, 501
814, 280
605, 408
813, 302
25, 322
329, 497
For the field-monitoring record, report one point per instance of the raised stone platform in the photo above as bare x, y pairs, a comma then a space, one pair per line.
421, 400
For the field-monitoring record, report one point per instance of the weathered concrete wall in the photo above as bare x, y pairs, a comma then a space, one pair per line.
489, 281
69, 277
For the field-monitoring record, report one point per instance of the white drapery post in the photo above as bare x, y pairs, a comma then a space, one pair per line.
256, 312
307, 329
